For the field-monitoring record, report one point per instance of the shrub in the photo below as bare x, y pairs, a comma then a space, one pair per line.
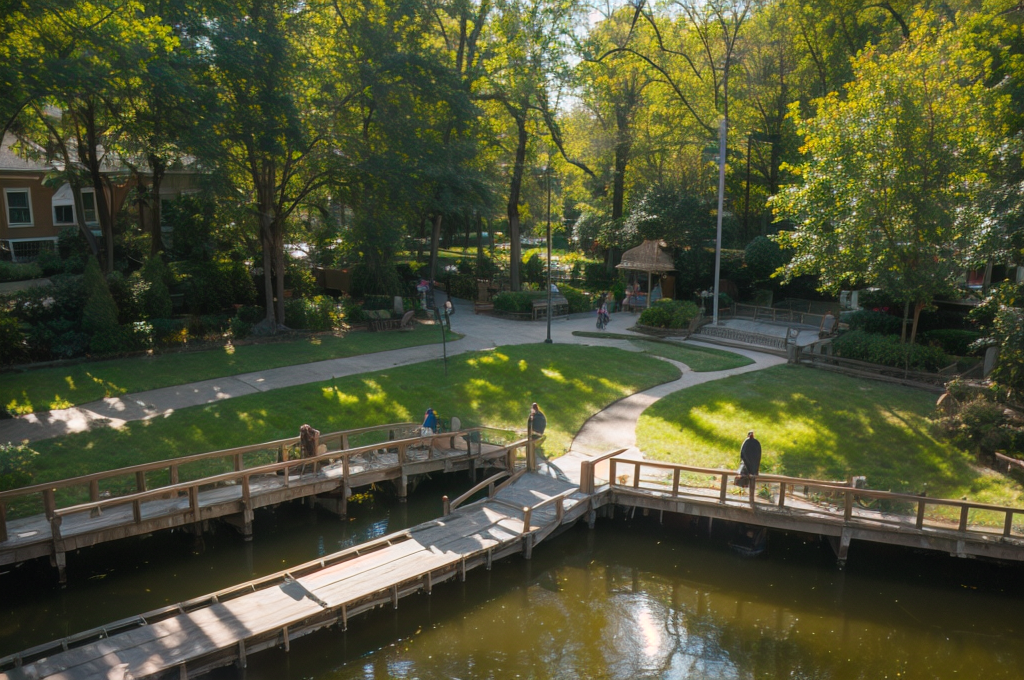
251, 314
137, 336
313, 314
12, 340
15, 466
49, 262
206, 325
981, 425
353, 311
513, 302
300, 280
240, 329
874, 322
762, 257
156, 299
462, 286
596, 276
14, 271
99, 319
887, 350
212, 286
533, 269
128, 293
669, 314
952, 341
170, 332
579, 301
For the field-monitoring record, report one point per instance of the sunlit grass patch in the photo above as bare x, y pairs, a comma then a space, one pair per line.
483, 388
820, 425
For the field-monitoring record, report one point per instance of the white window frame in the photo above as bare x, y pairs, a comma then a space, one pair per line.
58, 223
7, 208
95, 207
12, 241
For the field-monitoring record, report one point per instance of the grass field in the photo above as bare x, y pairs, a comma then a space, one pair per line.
820, 425
61, 387
699, 359
483, 388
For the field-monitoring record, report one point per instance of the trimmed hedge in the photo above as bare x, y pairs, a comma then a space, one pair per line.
14, 271
953, 341
871, 321
579, 300
887, 350
514, 302
669, 314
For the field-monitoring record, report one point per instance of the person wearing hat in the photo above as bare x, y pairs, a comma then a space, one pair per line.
750, 459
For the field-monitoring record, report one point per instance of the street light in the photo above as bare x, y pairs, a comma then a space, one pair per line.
547, 171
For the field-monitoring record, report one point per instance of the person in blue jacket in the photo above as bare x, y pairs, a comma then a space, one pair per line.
429, 425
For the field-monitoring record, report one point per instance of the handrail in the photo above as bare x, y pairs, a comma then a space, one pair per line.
529, 510
587, 468
254, 471
452, 505
191, 458
848, 491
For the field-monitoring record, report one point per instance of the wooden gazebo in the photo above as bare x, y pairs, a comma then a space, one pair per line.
650, 257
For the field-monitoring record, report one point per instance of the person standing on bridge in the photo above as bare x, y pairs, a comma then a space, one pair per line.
750, 459
537, 422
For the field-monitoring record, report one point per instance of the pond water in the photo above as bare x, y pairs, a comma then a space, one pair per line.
629, 599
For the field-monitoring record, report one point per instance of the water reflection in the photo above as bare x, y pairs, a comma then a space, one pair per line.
640, 601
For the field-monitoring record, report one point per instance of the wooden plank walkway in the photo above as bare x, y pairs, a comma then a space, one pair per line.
223, 628
236, 494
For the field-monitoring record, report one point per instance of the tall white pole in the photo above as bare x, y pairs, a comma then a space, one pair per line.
721, 199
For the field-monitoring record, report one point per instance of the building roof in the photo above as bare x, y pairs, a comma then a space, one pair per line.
17, 155
649, 256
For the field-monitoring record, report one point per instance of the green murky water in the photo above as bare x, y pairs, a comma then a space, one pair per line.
630, 599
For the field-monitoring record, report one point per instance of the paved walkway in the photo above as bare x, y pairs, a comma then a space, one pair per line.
480, 332
615, 427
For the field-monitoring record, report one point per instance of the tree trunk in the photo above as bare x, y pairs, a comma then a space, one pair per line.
264, 184
906, 314
435, 237
92, 161
479, 238
917, 315
514, 189
277, 230
155, 209
623, 148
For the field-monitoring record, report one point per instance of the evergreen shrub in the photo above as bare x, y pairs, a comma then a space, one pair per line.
669, 314
887, 350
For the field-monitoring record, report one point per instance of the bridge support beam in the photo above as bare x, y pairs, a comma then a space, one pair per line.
841, 546
402, 486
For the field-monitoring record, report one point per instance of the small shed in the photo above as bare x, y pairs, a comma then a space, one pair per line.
650, 257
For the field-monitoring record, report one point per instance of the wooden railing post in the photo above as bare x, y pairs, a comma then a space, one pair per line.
920, 513
527, 516
751, 488
724, 487
964, 509
848, 501
1007, 525
636, 475
193, 502
246, 492
49, 504
560, 510
344, 442
174, 474
446, 505
611, 472
137, 510
94, 495
675, 482
238, 462
782, 494
140, 481
280, 453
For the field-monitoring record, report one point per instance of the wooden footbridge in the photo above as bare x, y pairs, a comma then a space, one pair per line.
230, 484
520, 509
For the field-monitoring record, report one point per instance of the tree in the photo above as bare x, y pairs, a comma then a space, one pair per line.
895, 172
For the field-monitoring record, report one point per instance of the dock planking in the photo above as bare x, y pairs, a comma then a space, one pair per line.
223, 628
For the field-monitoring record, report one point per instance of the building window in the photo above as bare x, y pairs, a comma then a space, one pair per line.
89, 206
63, 214
26, 251
19, 207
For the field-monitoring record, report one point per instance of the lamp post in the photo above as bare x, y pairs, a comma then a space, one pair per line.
548, 172
721, 199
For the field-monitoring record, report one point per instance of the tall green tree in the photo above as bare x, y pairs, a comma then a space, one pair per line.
895, 173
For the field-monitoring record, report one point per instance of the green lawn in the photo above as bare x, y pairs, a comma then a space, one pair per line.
820, 425
699, 359
491, 388
64, 386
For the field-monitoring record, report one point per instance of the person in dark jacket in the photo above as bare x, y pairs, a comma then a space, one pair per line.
750, 459
537, 423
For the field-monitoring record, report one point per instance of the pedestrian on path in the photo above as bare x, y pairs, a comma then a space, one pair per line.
750, 459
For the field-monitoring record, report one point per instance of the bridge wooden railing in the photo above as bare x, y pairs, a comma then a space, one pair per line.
756, 312
774, 490
240, 475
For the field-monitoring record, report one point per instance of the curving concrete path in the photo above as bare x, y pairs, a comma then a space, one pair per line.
615, 427
480, 332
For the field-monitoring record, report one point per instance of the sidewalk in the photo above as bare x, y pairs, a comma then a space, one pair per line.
480, 332
611, 428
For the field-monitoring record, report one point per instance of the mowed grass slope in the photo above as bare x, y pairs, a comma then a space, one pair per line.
698, 359
61, 387
820, 425
493, 388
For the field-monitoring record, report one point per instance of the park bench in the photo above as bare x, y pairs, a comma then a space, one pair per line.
559, 307
381, 320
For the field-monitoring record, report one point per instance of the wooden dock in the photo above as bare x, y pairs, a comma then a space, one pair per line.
223, 628
250, 483
835, 509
